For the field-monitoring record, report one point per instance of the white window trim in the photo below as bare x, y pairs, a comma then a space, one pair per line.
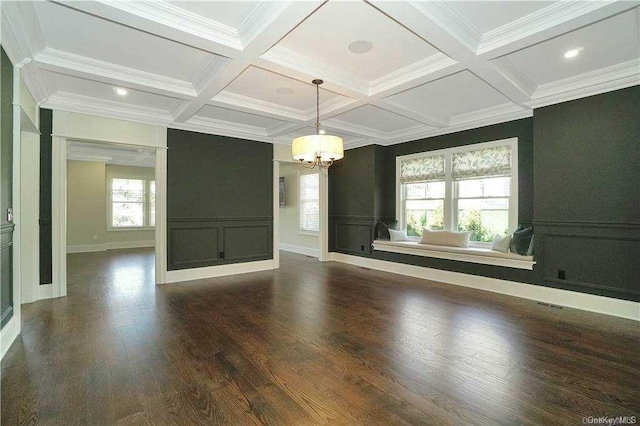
147, 210
449, 199
301, 230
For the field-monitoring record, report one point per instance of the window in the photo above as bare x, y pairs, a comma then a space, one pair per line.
309, 202
471, 188
132, 203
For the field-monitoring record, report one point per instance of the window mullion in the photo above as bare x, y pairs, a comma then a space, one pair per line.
448, 195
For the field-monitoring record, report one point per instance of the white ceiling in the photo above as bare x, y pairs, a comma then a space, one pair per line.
244, 68
111, 154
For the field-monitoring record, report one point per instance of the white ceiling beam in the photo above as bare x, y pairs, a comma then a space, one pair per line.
106, 72
280, 26
167, 21
552, 21
431, 22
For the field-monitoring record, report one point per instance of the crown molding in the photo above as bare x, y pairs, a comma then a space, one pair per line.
41, 87
290, 59
429, 120
70, 63
449, 19
260, 18
21, 33
94, 106
354, 128
513, 74
536, 22
481, 122
172, 16
224, 128
607, 79
489, 113
230, 100
412, 72
209, 72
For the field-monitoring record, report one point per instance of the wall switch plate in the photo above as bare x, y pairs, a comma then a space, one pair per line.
562, 275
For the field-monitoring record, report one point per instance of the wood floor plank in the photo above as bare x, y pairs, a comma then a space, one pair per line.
310, 343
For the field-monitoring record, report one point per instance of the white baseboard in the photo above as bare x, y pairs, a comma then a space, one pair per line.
555, 296
307, 251
218, 271
45, 291
130, 244
8, 335
87, 248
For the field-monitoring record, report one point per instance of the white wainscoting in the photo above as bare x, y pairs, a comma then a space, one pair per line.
570, 299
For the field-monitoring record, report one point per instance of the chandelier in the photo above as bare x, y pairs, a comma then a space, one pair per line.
319, 150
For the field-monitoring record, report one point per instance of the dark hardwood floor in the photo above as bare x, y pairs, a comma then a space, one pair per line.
310, 343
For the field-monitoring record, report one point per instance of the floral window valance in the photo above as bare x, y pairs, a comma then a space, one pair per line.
421, 170
482, 163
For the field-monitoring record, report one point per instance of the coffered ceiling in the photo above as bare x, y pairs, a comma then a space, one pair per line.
393, 71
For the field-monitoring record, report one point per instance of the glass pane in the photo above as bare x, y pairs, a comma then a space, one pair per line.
310, 186
152, 203
497, 187
435, 190
128, 215
128, 190
492, 187
416, 190
484, 218
309, 216
425, 190
424, 214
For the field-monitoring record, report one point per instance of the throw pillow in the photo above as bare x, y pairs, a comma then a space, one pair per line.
521, 240
501, 243
398, 235
445, 238
383, 230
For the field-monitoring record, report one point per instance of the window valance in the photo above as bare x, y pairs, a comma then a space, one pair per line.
482, 163
421, 170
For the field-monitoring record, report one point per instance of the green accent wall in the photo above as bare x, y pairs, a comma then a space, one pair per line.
219, 200
6, 188
587, 194
578, 184
46, 147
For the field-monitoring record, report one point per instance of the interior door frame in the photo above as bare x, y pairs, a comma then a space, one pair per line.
323, 233
59, 213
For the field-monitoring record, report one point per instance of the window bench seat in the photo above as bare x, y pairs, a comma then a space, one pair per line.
468, 254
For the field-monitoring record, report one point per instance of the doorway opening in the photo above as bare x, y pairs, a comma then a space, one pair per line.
111, 217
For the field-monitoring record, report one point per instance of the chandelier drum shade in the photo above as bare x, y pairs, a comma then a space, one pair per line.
319, 150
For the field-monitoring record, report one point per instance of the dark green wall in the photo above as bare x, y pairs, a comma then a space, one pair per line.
46, 147
582, 157
6, 189
587, 194
219, 200
372, 176
356, 199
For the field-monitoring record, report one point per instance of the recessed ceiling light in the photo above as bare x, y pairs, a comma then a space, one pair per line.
572, 53
120, 91
360, 46
284, 91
